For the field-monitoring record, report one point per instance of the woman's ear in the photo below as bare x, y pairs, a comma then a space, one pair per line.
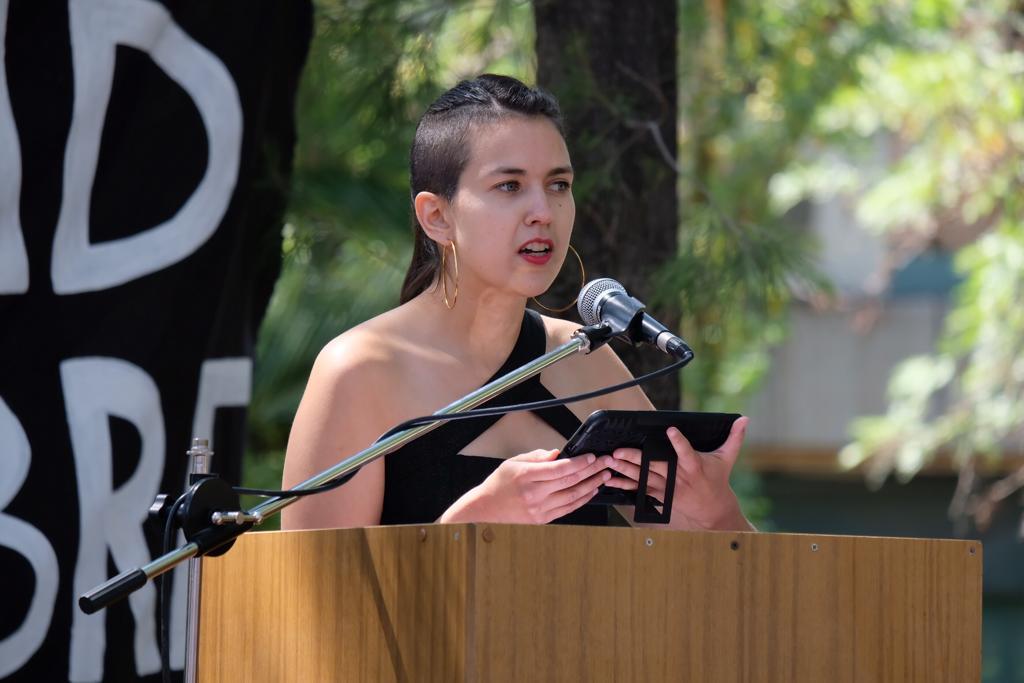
432, 215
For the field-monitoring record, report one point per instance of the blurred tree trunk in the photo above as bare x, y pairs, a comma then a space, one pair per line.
612, 65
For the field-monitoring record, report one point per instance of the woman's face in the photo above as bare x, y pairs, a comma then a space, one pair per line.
513, 211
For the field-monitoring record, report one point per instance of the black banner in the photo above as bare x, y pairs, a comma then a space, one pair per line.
145, 155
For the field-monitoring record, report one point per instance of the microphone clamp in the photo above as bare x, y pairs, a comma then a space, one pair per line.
594, 336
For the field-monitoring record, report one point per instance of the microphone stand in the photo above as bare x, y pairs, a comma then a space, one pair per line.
211, 516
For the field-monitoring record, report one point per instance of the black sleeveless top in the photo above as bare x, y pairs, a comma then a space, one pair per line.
423, 478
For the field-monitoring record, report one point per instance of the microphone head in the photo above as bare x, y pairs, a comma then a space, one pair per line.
592, 295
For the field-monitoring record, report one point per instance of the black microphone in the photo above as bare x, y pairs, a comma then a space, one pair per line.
605, 301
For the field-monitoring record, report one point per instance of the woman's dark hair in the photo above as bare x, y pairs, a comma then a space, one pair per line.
440, 151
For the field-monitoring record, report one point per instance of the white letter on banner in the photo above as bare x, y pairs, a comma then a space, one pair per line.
27, 541
223, 382
94, 390
97, 28
13, 257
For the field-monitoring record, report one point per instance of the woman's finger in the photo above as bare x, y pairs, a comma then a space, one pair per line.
687, 459
626, 468
563, 510
633, 455
730, 450
539, 455
628, 463
573, 494
622, 483
547, 487
655, 485
556, 469
654, 491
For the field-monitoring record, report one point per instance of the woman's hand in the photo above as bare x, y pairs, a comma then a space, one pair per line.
702, 498
532, 488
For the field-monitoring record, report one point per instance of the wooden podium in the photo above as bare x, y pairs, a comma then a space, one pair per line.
542, 603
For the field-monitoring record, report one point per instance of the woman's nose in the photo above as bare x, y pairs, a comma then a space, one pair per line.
539, 209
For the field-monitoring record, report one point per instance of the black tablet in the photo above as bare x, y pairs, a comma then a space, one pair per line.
606, 430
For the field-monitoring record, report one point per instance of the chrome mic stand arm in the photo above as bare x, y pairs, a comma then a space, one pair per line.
217, 529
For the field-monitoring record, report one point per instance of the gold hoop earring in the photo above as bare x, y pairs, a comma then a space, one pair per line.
444, 271
583, 281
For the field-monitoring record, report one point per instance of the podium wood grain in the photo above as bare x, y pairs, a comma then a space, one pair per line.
527, 603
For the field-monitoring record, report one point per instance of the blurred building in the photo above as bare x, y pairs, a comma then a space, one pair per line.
835, 366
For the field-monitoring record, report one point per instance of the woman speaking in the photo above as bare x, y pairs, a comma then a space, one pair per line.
491, 184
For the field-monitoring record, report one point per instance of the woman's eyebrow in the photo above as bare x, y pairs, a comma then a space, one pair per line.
511, 170
506, 170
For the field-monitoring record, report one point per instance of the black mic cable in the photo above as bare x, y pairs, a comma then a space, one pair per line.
469, 415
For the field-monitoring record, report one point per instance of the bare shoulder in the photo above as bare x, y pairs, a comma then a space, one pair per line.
371, 354
558, 330
362, 353
345, 406
600, 368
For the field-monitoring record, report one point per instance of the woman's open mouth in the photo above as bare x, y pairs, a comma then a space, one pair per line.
537, 251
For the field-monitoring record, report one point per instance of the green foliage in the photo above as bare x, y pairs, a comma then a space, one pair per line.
751, 81
948, 103
977, 375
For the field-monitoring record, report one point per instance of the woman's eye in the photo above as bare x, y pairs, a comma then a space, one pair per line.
509, 186
561, 186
